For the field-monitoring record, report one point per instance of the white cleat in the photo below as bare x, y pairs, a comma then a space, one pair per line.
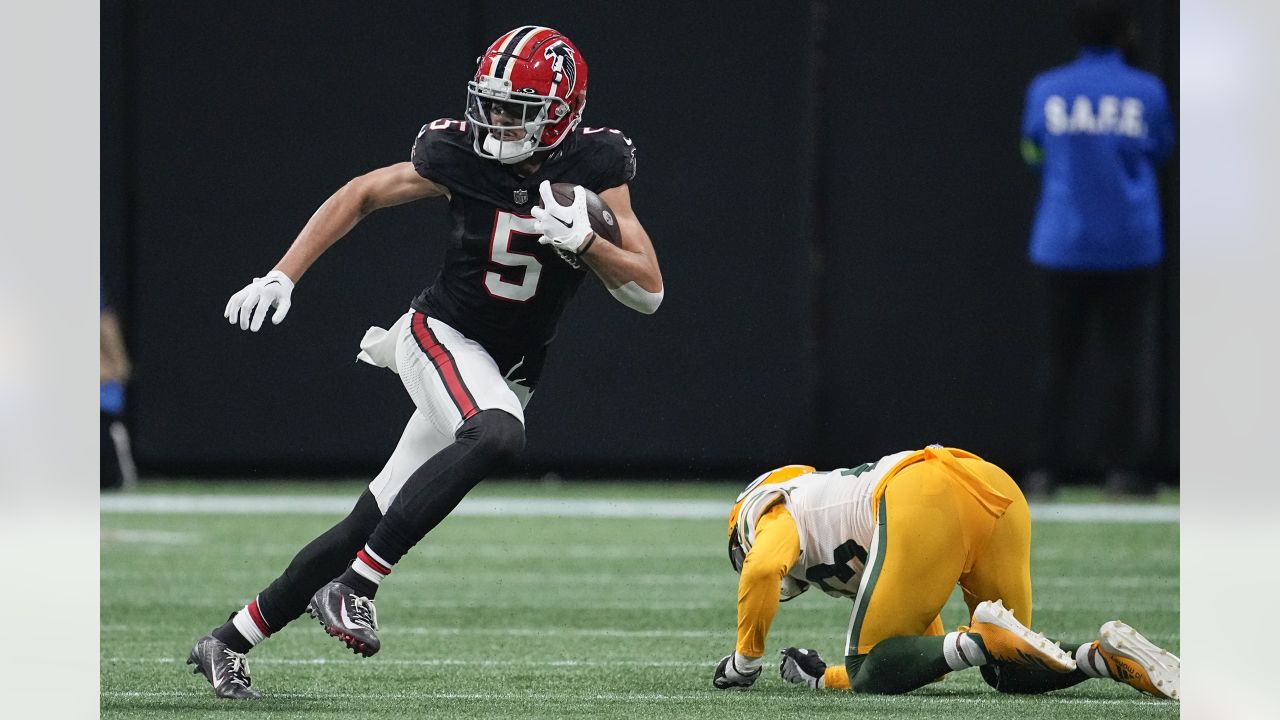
1138, 662
1008, 640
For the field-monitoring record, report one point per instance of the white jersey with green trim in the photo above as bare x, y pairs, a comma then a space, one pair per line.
833, 514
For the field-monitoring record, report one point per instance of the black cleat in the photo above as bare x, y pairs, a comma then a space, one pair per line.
347, 616
225, 669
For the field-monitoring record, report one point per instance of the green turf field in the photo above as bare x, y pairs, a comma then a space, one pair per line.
547, 617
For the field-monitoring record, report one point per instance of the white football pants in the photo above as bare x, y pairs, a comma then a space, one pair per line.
450, 378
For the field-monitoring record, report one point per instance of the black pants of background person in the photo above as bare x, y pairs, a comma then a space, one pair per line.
1119, 304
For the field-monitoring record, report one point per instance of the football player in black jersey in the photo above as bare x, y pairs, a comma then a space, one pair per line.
471, 347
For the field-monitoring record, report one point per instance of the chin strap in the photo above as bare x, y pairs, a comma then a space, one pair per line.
637, 298
499, 150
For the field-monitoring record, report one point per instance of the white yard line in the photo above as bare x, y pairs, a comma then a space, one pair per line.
570, 507
435, 662
148, 537
558, 632
708, 696
573, 582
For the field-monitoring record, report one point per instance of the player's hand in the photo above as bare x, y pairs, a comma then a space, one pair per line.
566, 228
728, 677
802, 667
249, 306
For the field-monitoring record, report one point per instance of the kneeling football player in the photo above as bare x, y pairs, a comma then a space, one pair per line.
895, 536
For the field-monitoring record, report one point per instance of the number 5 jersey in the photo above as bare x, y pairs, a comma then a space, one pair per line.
498, 286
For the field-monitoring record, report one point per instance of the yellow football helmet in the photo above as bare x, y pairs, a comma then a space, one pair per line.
740, 542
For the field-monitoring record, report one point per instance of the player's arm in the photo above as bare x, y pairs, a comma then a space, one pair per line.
775, 550
392, 185
630, 272
113, 359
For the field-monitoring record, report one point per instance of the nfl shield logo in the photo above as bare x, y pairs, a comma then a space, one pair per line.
521, 196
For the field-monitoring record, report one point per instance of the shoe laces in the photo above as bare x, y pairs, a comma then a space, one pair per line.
363, 611
237, 667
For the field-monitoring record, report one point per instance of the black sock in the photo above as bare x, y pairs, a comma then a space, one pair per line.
228, 634
361, 584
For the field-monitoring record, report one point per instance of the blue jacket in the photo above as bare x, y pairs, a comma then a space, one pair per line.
1098, 128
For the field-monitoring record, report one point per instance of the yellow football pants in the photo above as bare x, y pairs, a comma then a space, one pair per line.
948, 518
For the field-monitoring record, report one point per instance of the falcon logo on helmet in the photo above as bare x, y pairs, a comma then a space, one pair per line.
561, 57
528, 94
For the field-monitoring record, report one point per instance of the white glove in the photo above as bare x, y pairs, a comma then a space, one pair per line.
249, 306
566, 228
803, 667
729, 677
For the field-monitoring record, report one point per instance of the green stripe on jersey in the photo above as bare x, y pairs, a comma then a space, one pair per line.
869, 586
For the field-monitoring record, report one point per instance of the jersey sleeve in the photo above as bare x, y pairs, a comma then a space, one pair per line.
775, 551
434, 153
613, 160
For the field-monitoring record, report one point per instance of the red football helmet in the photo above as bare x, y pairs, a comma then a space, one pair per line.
528, 94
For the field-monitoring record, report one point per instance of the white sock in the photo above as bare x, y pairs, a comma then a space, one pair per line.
250, 623
1089, 660
962, 651
746, 665
370, 566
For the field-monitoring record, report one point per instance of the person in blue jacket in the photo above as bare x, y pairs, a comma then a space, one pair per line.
1097, 129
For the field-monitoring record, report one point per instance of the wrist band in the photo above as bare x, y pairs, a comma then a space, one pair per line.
587, 245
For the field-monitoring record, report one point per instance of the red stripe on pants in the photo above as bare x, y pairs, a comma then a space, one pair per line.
443, 361
258, 620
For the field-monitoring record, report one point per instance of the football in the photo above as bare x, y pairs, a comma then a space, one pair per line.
602, 220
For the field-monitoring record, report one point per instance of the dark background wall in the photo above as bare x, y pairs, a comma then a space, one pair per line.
833, 188
935, 314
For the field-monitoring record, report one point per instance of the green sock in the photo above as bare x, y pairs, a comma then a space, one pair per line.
897, 665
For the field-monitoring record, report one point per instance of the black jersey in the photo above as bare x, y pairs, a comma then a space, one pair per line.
498, 285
